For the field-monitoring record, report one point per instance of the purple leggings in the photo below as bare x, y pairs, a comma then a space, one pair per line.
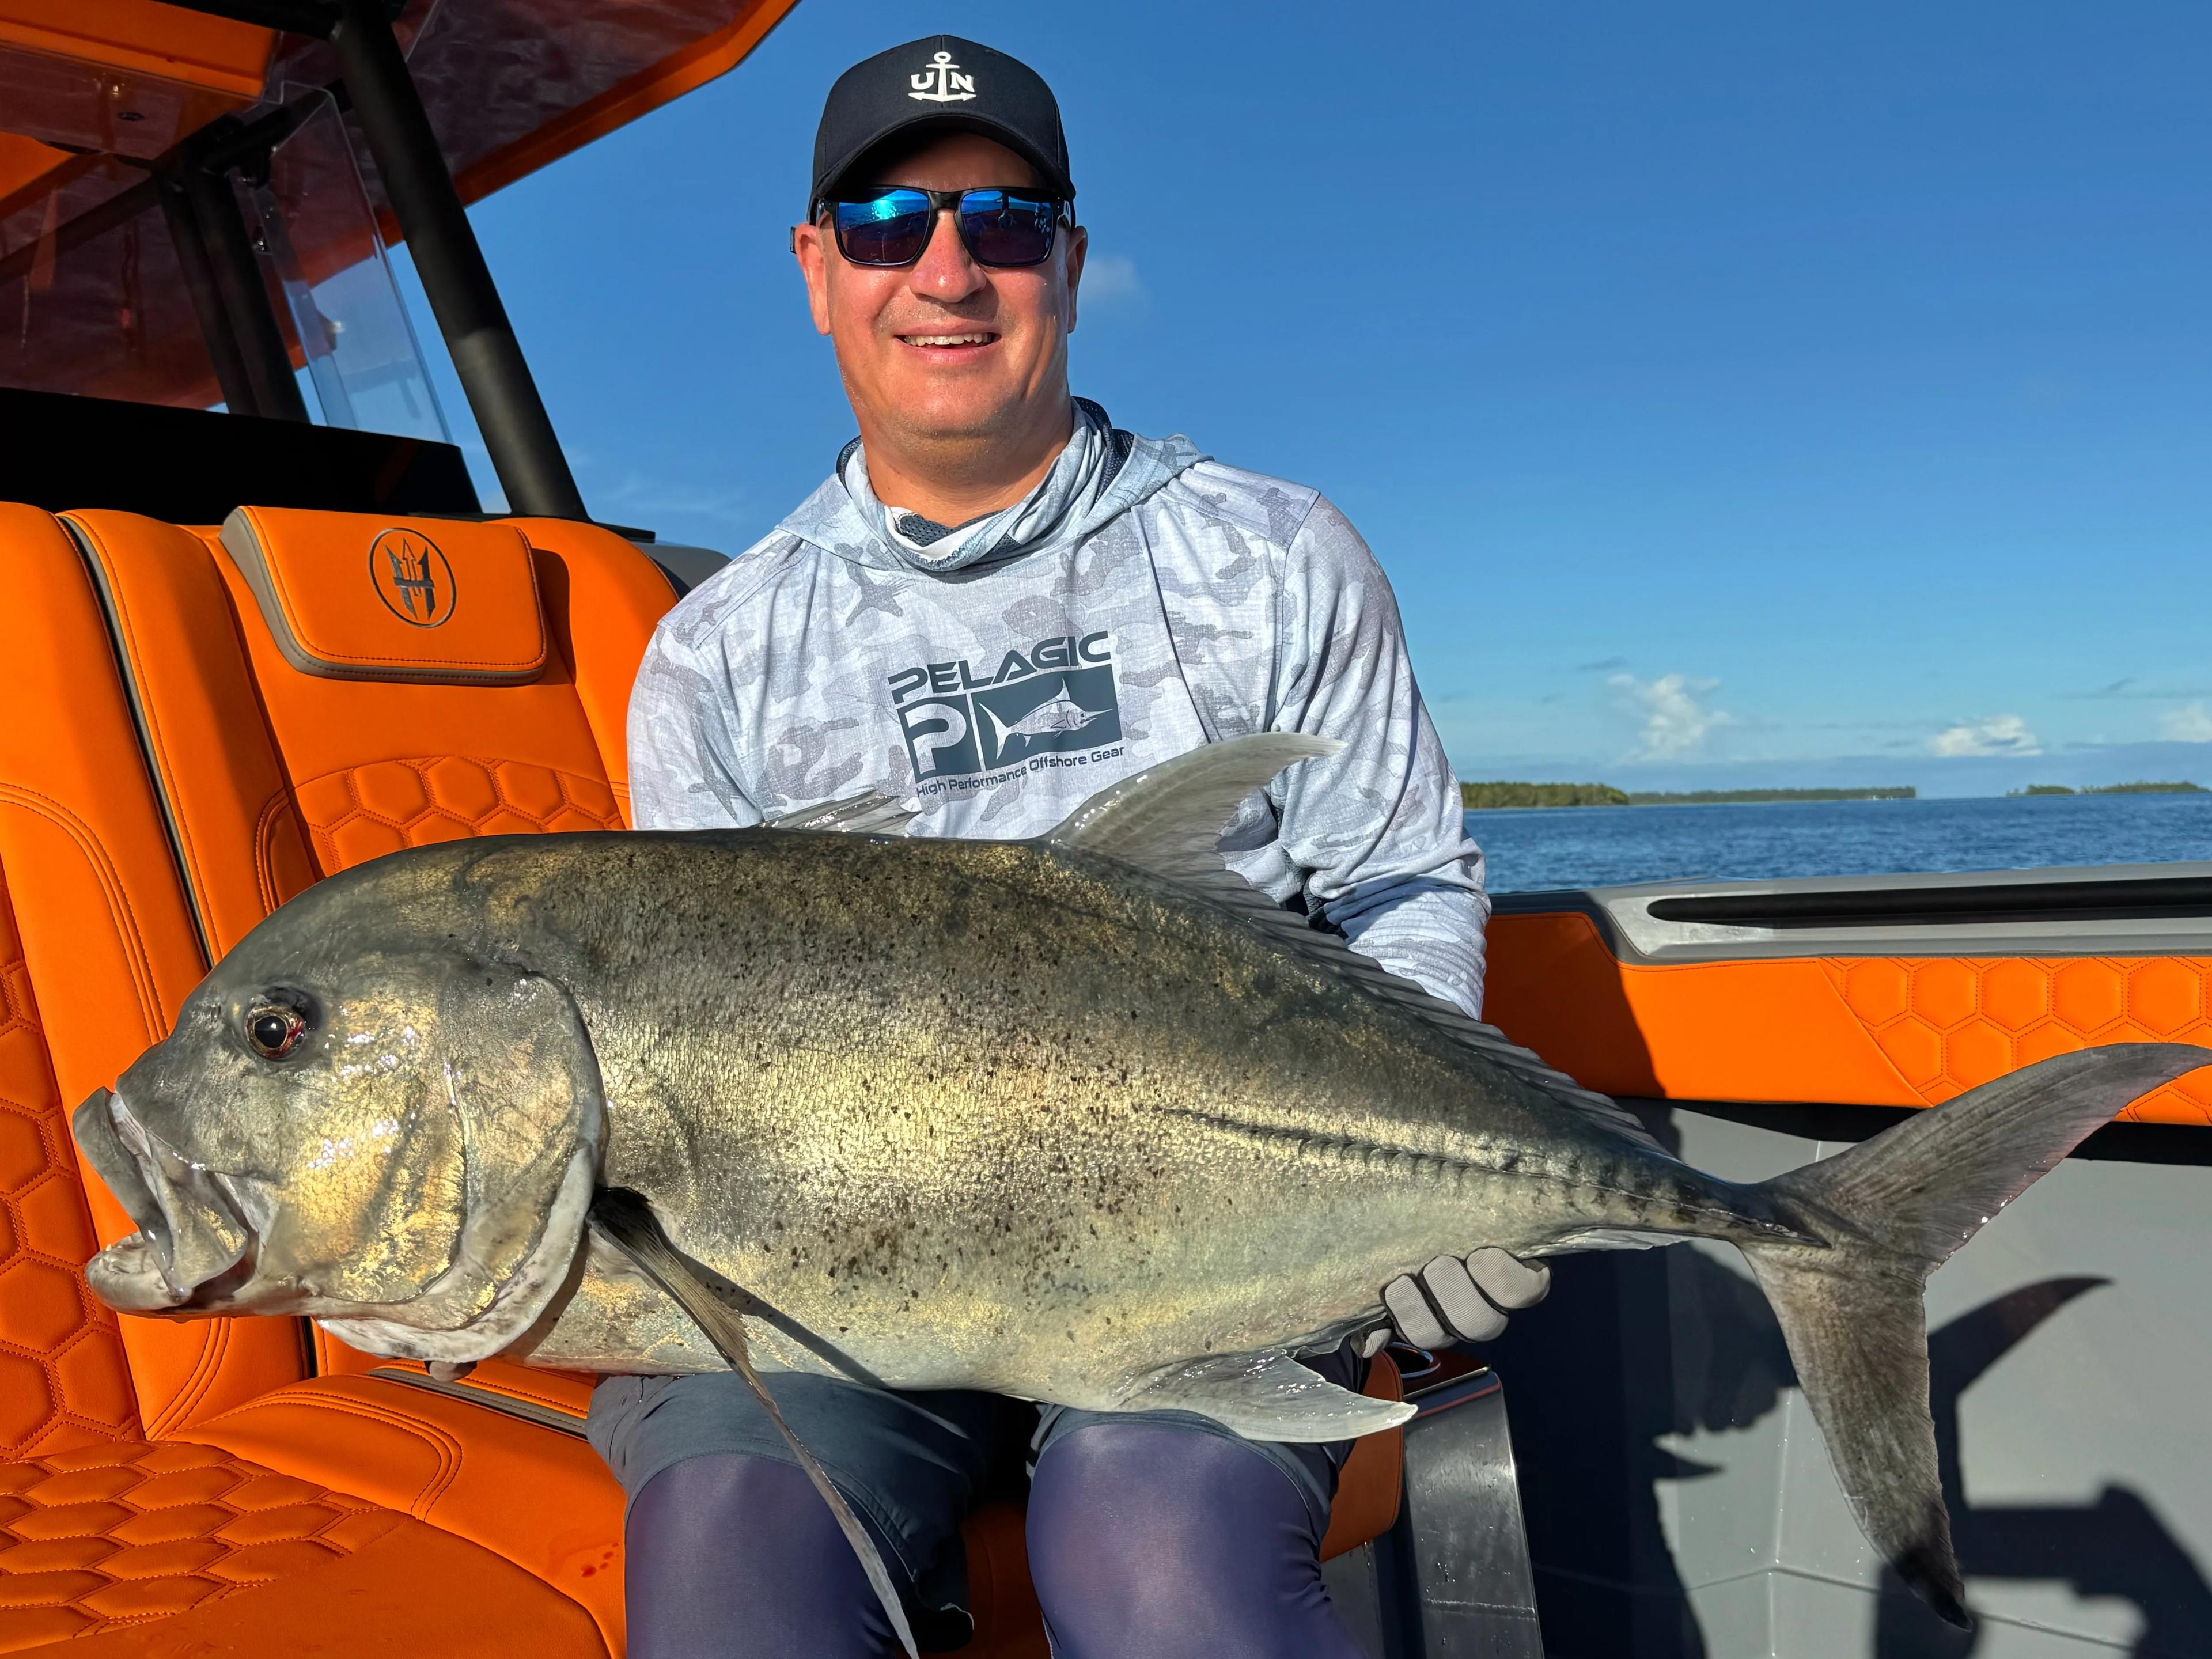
1146, 1542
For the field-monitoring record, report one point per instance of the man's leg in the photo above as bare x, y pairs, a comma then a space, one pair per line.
731, 1554
1162, 1535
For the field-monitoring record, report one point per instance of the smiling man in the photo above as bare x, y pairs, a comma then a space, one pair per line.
998, 604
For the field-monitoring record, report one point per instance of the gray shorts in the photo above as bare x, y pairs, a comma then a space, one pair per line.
910, 1464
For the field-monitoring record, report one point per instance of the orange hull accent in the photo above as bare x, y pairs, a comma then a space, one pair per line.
1869, 1031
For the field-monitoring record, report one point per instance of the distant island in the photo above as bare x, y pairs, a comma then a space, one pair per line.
1723, 797
2111, 789
1473, 796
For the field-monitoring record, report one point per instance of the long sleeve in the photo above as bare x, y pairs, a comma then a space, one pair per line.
683, 771
1372, 839
1224, 603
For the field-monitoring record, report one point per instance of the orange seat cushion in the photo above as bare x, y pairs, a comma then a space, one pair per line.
176, 1548
541, 1500
415, 1593
130, 1531
1367, 1487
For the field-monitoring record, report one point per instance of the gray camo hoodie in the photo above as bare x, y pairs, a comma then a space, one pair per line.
1142, 600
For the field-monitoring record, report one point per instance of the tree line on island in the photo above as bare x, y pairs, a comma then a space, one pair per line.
1496, 794
1473, 795
2143, 789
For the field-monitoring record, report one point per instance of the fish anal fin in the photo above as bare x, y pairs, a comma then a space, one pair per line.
1266, 1397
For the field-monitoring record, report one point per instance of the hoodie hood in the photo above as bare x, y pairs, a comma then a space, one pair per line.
1101, 473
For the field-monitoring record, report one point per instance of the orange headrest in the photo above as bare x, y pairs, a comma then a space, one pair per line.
351, 596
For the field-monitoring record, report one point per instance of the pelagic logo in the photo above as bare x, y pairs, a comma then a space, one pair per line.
1052, 705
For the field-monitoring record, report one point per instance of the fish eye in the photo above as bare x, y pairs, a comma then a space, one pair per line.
275, 1030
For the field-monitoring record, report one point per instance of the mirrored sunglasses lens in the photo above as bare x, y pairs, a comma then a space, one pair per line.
1002, 229
892, 230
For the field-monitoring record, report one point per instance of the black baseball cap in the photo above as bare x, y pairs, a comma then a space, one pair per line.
944, 82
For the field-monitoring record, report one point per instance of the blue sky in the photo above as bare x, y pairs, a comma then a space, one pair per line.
1733, 393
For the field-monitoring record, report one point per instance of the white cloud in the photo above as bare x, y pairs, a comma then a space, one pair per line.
1674, 721
2000, 734
1111, 279
2191, 723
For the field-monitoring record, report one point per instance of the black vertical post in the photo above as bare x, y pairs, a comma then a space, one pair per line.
215, 329
245, 293
525, 452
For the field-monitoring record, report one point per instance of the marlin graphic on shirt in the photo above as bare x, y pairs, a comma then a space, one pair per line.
1058, 713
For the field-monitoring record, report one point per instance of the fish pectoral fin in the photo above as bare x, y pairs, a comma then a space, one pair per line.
1268, 1396
856, 815
626, 1220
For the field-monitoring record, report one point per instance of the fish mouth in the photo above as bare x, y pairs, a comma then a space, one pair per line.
192, 1248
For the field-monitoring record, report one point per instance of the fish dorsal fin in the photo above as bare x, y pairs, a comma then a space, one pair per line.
856, 815
1168, 819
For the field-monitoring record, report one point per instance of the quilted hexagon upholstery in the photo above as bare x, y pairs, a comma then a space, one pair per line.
1863, 1031
126, 1533
365, 812
128, 1548
62, 1382
1949, 1024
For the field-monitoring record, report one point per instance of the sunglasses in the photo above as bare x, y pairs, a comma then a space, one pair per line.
1000, 227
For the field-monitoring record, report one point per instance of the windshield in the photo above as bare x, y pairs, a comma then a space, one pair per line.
241, 268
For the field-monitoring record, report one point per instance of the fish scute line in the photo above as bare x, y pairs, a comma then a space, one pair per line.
1509, 1163
1325, 1143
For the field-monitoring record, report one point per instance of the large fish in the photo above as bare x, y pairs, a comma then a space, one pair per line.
1080, 1119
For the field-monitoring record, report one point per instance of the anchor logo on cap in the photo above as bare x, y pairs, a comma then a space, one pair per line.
412, 577
944, 75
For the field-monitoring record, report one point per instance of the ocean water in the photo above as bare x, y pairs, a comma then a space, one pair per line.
1607, 846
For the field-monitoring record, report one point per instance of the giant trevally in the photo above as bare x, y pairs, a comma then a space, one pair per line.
1081, 1119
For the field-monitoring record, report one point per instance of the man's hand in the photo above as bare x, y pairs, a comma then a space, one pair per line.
1454, 1301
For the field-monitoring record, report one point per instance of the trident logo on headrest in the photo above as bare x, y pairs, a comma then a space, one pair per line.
412, 577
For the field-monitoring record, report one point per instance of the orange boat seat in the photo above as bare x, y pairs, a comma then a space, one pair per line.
312, 690
126, 1524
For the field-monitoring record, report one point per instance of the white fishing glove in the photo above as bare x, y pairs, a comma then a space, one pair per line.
1452, 1300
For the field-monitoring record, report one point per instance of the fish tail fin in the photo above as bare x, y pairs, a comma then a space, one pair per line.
1895, 1207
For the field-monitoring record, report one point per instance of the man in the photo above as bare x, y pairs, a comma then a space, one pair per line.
997, 606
